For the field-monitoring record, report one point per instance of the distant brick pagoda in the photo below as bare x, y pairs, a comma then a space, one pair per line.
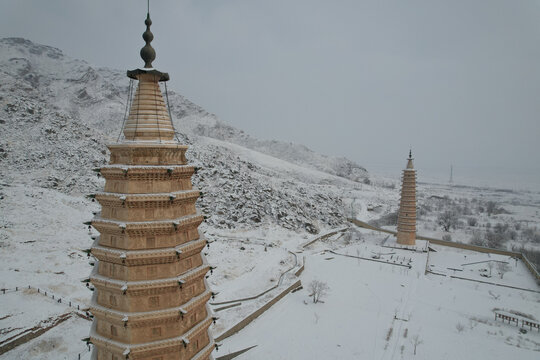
150, 299
406, 226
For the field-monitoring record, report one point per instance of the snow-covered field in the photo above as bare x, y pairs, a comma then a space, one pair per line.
372, 310
376, 311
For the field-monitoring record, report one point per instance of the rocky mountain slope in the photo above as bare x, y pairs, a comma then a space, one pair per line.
57, 114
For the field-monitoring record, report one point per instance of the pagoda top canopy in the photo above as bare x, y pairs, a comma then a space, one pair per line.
410, 161
149, 118
148, 54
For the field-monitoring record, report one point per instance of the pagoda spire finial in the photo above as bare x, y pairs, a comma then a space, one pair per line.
410, 153
148, 54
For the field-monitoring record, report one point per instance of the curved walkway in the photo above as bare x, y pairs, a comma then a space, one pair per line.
280, 281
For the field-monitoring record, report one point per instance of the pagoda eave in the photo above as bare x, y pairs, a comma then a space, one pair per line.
133, 172
143, 257
127, 198
135, 74
133, 318
156, 224
174, 344
100, 281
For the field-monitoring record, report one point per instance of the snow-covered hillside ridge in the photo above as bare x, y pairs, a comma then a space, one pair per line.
57, 114
294, 153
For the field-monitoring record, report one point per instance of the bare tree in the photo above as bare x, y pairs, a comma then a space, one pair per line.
416, 341
318, 289
490, 266
347, 237
447, 220
503, 268
460, 327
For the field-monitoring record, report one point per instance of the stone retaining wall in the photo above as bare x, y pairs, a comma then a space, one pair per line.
482, 249
243, 323
30, 334
323, 237
301, 269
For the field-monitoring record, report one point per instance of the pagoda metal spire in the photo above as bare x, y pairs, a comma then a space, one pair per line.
149, 118
410, 160
148, 54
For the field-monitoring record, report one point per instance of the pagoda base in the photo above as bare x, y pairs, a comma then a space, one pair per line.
406, 238
196, 344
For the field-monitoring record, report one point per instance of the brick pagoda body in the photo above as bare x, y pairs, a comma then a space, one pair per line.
151, 294
406, 226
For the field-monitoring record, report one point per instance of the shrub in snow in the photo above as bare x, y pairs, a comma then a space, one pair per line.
531, 234
491, 207
472, 221
494, 239
501, 228
532, 255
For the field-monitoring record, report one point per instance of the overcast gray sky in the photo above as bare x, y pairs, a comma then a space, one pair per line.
459, 81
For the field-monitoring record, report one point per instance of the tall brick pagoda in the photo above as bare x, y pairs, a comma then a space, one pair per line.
151, 294
406, 226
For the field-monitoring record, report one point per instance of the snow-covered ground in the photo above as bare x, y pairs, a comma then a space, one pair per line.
265, 199
376, 311
42, 238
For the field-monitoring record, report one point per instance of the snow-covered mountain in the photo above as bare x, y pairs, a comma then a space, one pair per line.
57, 114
